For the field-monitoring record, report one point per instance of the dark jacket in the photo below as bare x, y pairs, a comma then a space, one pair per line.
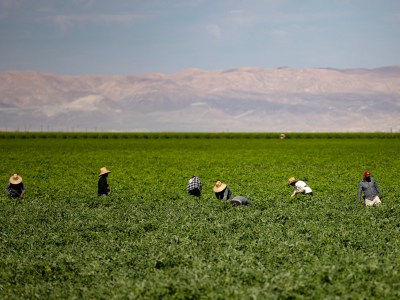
102, 186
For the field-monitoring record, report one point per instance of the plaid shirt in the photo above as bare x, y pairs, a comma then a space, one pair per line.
194, 183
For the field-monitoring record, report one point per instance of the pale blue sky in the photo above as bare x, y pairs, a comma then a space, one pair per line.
123, 37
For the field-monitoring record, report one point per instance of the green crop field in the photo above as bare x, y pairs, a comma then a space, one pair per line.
150, 240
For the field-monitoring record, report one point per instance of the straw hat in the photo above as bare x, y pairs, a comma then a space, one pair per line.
15, 179
219, 187
103, 171
291, 180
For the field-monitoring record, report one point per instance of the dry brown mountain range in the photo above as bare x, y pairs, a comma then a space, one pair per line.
244, 99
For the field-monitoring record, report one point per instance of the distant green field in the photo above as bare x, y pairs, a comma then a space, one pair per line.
150, 240
195, 135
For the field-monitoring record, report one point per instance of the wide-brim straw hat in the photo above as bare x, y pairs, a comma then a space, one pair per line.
103, 171
15, 179
291, 180
219, 187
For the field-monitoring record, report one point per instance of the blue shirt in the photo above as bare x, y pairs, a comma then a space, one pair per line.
225, 194
370, 189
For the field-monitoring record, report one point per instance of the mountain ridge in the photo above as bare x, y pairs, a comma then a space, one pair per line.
240, 99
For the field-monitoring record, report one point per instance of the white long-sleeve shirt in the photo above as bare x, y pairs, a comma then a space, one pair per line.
301, 185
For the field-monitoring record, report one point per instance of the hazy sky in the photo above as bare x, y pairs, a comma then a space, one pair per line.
125, 37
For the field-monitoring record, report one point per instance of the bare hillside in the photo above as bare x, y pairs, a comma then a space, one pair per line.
243, 99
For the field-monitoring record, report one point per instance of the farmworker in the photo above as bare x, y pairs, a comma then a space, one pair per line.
194, 186
102, 187
371, 191
222, 191
15, 187
300, 187
240, 200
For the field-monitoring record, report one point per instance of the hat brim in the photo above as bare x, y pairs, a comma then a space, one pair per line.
16, 181
106, 172
220, 188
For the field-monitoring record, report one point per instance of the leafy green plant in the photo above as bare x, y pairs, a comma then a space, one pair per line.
149, 239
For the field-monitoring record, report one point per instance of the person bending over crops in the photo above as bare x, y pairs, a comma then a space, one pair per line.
103, 189
194, 186
222, 191
371, 191
15, 187
300, 187
240, 200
